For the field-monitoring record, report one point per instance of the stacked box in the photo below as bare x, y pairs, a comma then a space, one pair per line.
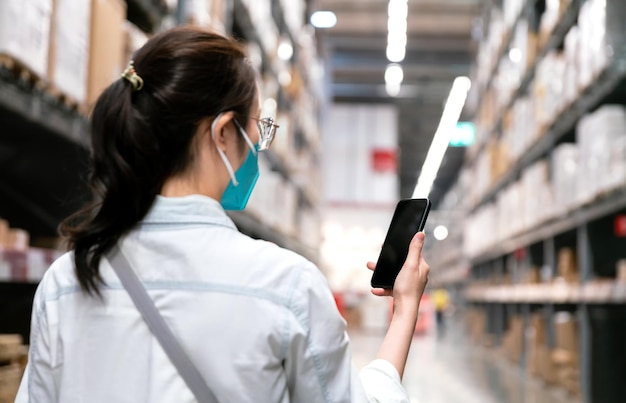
536, 340
499, 160
13, 238
106, 47
601, 136
537, 194
13, 357
565, 354
567, 266
477, 321
68, 65
25, 31
549, 20
513, 342
565, 174
549, 90
571, 49
594, 55
521, 132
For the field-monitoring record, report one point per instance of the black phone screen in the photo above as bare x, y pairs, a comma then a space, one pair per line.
408, 219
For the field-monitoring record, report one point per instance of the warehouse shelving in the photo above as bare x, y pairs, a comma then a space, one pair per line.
553, 41
601, 207
146, 14
563, 125
517, 279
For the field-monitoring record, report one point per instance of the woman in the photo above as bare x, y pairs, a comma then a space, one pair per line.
175, 142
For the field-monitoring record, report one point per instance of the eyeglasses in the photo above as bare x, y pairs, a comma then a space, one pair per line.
267, 131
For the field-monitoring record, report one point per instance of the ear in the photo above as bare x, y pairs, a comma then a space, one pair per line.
218, 129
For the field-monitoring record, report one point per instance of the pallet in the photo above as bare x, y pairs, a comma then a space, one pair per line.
24, 74
10, 377
12, 365
11, 348
65, 99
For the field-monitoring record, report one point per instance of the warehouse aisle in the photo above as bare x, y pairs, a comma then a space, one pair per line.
452, 370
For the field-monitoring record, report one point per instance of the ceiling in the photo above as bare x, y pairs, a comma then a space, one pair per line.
439, 48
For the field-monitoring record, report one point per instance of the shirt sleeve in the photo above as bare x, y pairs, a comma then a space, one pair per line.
318, 362
38, 382
381, 383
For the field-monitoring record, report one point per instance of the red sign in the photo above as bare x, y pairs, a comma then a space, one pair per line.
620, 225
384, 160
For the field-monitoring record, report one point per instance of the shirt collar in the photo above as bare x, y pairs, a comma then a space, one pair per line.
191, 209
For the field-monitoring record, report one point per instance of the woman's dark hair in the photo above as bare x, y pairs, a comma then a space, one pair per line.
141, 138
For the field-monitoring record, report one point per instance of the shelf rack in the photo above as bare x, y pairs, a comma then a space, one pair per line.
554, 40
495, 284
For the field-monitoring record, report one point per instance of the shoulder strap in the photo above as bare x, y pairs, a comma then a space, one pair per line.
159, 328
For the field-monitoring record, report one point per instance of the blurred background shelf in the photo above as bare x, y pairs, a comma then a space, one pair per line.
146, 14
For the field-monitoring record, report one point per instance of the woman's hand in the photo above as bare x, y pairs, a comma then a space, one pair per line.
412, 279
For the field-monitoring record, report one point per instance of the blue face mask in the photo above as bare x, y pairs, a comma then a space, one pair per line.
242, 182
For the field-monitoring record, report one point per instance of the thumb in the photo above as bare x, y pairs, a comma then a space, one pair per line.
415, 250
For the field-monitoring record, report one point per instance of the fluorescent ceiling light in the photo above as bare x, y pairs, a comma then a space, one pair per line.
323, 19
396, 54
398, 9
397, 30
397, 25
396, 39
394, 74
393, 90
449, 118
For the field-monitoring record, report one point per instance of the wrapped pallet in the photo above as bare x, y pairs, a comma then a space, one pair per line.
24, 33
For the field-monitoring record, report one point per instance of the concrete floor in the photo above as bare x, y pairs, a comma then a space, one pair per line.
452, 370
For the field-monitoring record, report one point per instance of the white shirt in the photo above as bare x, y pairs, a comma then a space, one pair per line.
257, 320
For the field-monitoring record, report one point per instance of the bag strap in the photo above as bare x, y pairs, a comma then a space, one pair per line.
159, 328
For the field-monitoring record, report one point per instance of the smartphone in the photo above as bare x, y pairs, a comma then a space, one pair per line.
408, 219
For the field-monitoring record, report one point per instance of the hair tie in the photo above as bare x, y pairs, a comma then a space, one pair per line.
132, 77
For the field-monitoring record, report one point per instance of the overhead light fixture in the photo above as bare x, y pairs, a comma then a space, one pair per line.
394, 74
285, 49
393, 90
397, 30
393, 79
447, 123
440, 232
323, 19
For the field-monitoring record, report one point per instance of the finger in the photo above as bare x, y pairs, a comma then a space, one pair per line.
415, 249
371, 265
381, 292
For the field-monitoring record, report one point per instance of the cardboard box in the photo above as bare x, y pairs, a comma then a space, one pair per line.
545, 365
4, 232
10, 376
69, 48
566, 332
18, 239
106, 45
25, 31
10, 347
567, 265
